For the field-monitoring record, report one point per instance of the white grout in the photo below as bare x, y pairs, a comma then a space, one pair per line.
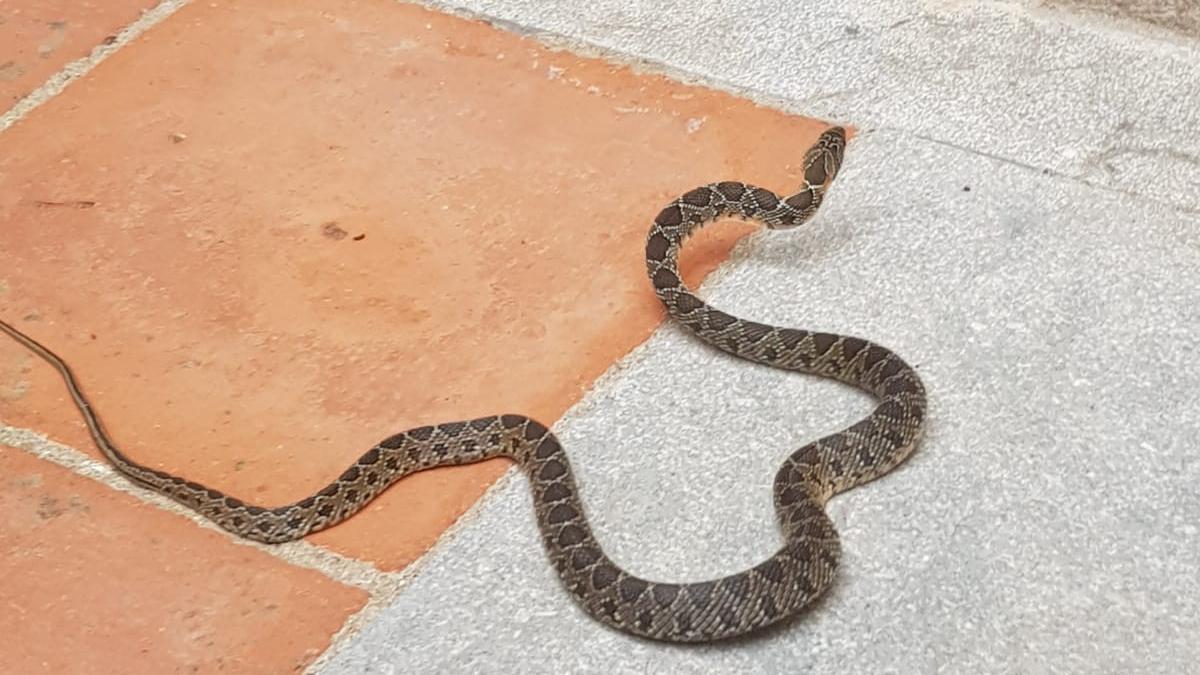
81, 66
348, 571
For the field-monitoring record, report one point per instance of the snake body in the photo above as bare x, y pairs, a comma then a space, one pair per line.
737, 604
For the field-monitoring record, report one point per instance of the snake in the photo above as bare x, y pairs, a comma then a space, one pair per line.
704, 611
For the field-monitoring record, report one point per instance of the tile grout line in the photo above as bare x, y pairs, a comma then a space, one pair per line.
343, 569
72, 71
382, 588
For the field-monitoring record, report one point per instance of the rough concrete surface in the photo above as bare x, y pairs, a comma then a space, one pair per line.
1047, 524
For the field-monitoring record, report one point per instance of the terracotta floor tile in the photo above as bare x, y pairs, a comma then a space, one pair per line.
96, 581
39, 37
268, 238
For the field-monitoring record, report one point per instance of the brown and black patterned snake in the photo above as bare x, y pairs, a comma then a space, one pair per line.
734, 605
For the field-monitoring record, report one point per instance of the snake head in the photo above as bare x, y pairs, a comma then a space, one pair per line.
821, 164
824, 159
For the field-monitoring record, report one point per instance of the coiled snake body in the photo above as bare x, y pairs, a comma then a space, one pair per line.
692, 612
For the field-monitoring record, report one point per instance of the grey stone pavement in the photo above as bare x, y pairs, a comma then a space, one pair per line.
1020, 217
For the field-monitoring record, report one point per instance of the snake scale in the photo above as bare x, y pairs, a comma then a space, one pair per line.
737, 604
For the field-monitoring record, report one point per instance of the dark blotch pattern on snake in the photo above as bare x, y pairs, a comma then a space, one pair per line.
690, 612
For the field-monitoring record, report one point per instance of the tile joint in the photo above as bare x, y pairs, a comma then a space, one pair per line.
59, 81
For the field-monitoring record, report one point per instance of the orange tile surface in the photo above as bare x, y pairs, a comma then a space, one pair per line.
39, 37
95, 581
269, 234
